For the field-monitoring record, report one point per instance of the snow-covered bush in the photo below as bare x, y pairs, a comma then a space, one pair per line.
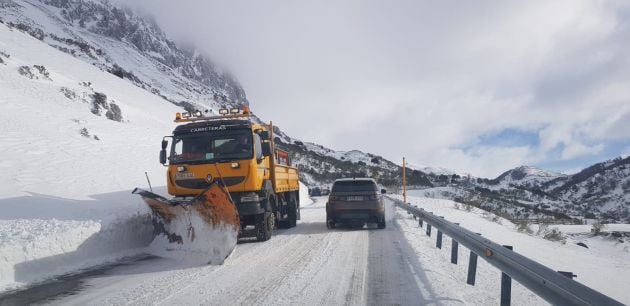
99, 101
26, 71
114, 112
543, 227
597, 227
523, 227
68, 93
555, 235
84, 132
42, 70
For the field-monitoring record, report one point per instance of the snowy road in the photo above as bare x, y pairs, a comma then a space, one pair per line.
308, 264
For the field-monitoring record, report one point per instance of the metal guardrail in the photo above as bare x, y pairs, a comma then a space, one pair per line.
555, 287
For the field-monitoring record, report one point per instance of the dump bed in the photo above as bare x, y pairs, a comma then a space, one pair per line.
285, 179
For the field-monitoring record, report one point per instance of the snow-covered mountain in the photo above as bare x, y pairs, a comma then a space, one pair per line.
526, 176
129, 46
602, 189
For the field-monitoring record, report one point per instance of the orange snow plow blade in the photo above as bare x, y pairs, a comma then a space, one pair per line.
204, 228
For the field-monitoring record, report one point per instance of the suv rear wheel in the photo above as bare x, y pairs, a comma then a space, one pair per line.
382, 224
330, 223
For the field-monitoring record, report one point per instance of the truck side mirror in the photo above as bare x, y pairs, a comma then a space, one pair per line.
163, 156
164, 144
266, 149
383, 191
264, 135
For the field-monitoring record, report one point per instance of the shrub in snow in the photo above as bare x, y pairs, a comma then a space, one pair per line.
124, 74
114, 113
68, 93
85, 132
597, 227
555, 235
543, 227
99, 101
42, 70
26, 71
37, 32
523, 227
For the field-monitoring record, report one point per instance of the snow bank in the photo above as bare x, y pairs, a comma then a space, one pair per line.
65, 194
305, 199
605, 266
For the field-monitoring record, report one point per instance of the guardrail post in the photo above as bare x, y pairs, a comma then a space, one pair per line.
438, 243
506, 286
428, 229
454, 247
472, 269
420, 221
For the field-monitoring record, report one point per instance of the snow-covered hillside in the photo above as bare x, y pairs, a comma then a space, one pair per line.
66, 173
526, 176
129, 46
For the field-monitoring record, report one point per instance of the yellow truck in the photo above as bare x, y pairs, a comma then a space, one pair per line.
236, 152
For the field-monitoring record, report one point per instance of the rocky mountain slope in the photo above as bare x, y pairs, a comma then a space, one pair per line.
131, 47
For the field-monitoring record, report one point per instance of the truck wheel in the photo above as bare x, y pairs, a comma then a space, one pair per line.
296, 197
264, 227
292, 214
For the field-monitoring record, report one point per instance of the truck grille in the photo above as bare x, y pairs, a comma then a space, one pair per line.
203, 184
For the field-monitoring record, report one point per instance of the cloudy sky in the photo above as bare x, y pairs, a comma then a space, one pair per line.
478, 87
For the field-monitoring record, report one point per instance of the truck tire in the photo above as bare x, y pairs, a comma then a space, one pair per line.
264, 227
296, 195
292, 214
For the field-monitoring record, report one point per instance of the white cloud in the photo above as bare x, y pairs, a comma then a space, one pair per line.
577, 149
422, 79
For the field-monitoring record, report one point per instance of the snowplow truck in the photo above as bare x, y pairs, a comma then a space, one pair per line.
227, 169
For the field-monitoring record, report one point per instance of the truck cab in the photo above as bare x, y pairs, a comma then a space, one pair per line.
238, 153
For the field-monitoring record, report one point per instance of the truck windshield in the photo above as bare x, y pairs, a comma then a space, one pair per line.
212, 147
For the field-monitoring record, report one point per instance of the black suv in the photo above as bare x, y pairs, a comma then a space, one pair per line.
355, 201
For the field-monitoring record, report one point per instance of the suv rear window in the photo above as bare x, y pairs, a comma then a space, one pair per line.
348, 186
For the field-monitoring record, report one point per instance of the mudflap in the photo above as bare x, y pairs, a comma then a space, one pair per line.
204, 229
